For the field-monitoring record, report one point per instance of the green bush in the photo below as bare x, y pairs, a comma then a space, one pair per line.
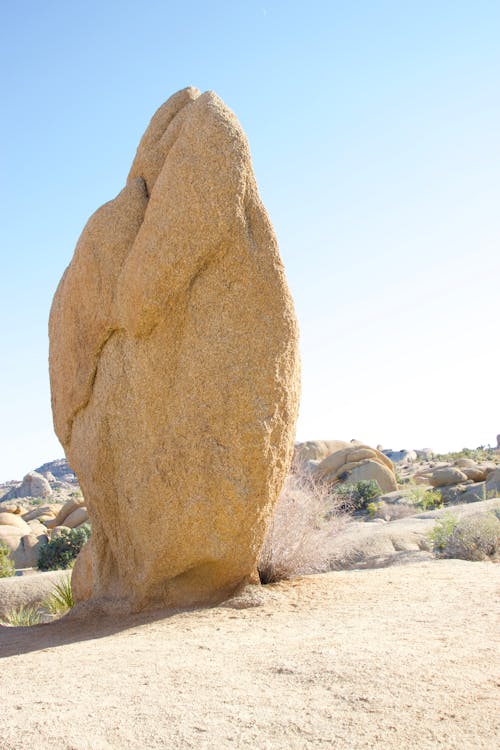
61, 552
425, 498
7, 568
359, 495
442, 531
475, 537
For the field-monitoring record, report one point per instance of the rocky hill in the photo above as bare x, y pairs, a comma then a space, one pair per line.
53, 480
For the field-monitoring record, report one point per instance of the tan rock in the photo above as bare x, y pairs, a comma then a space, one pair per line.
493, 482
82, 577
356, 462
37, 528
24, 547
317, 450
42, 510
446, 475
10, 519
33, 485
79, 516
174, 366
373, 470
476, 473
422, 479
69, 507
465, 463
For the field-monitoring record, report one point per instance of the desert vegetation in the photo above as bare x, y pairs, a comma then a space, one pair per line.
299, 540
474, 538
61, 552
7, 568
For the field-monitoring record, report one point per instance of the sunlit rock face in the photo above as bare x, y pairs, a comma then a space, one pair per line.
174, 368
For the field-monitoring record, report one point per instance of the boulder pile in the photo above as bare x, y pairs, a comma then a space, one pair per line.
346, 463
24, 533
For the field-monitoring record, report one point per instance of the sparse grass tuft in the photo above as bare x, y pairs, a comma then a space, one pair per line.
22, 617
61, 599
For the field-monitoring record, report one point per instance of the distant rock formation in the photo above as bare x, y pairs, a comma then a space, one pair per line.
174, 367
356, 462
58, 470
33, 485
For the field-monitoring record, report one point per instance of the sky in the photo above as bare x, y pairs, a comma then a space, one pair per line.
374, 129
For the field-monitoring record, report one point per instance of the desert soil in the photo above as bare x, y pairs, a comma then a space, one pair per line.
401, 657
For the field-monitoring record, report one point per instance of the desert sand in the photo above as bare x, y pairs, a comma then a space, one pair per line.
400, 657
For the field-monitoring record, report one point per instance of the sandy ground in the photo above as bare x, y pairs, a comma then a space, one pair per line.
403, 657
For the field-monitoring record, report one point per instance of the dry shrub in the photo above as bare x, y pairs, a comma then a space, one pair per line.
475, 537
299, 540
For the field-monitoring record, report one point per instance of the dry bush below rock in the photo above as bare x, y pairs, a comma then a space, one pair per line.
476, 537
307, 518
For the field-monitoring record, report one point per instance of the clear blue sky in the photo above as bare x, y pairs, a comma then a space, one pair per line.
375, 134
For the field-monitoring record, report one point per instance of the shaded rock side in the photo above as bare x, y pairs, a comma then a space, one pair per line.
174, 366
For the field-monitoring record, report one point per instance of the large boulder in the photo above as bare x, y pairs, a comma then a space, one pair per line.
174, 366
493, 483
69, 507
42, 511
77, 517
33, 485
11, 519
447, 475
357, 462
24, 546
317, 450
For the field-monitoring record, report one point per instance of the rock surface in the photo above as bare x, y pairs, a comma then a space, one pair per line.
448, 475
33, 485
28, 591
24, 545
174, 366
357, 462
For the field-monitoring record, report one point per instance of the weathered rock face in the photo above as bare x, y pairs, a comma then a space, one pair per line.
174, 366
357, 462
317, 450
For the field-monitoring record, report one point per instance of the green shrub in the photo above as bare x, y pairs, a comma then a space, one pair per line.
357, 496
7, 568
474, 538
23, 617
374, 508
61, 599
424, 498
61, 552
442, 531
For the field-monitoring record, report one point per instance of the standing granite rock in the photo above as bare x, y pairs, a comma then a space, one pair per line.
174, 367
